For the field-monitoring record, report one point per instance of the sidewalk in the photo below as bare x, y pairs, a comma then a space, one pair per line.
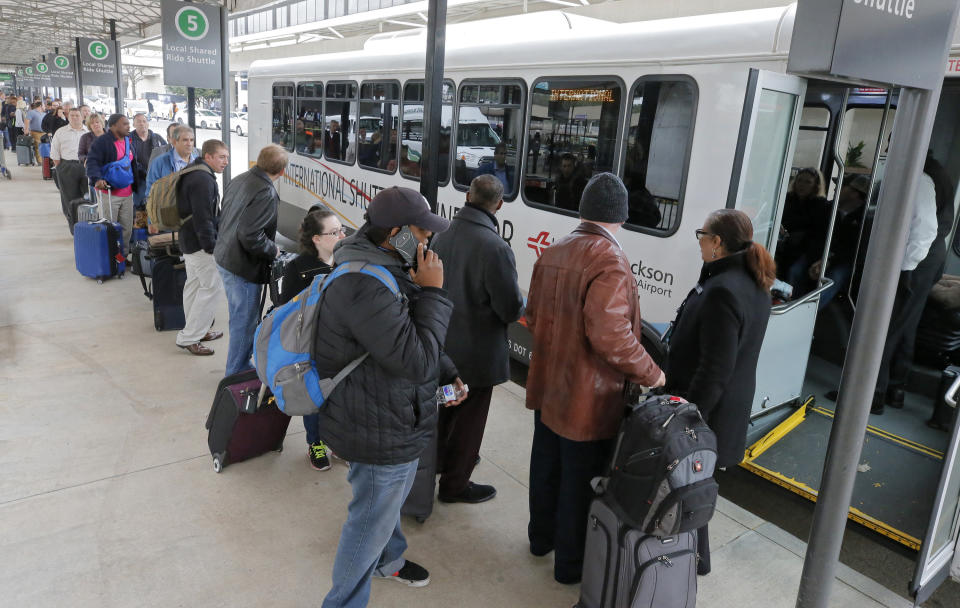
108, 497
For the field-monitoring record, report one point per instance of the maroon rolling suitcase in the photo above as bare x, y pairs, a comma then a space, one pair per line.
47, 168
242, 424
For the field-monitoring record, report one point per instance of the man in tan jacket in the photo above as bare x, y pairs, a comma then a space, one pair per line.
583, 313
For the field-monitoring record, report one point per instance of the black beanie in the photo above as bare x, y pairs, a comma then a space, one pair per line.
604, 199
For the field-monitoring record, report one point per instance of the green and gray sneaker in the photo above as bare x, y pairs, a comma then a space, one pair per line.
318, 456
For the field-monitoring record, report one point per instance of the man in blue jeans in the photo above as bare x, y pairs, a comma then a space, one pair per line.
384, 413
245, 248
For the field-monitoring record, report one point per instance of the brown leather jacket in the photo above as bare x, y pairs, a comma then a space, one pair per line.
582, 310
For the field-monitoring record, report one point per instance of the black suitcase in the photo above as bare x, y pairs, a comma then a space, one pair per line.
625, 568
168, 277
241, 424
419, 502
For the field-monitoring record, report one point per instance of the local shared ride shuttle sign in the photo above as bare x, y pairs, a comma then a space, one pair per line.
191, 44
881, 41
98, 62
62, 71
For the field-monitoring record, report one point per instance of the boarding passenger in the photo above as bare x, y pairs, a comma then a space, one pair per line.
197, 197
803, 229
181, 154
65, 155
94, 124
332, 145
716, 337
34, 127
585, 320
245, 249
569, 185
498, 167
923, 265
382, 416
320, 231
161, 150
144, 142
480, 276
112, 166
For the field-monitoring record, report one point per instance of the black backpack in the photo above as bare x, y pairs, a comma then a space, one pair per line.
661, 475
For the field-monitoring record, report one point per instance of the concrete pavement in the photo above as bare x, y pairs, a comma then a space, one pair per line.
108, 497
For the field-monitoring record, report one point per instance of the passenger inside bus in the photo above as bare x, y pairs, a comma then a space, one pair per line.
498, 167
803, 229
569, 184
333, 141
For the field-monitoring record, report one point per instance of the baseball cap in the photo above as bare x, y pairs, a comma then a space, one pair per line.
397, 206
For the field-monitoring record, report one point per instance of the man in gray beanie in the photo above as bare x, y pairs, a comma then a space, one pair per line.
583, 313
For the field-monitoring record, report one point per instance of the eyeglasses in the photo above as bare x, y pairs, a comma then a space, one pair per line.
701, 233
334, 233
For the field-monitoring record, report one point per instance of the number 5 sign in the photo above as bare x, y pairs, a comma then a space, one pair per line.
191, 44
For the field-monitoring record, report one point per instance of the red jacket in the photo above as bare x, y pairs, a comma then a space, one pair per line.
582, 310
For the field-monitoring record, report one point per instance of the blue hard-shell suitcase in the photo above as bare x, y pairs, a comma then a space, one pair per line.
97, 249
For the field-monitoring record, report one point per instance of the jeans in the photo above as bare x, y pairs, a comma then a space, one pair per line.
201, 294
371, 540
140, 198
243, 302
311, 424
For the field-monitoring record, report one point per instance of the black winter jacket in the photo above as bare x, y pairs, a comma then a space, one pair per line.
197, 196
299, 273
714, 349
480, 274
142, 151
385, 411
248, 226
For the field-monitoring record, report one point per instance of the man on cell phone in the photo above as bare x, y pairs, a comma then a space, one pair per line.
382, 416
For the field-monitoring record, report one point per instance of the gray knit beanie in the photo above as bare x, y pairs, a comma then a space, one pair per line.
604, 199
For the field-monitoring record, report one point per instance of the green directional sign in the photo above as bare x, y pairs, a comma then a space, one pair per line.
98, 50
98, 62
29, 71
62, 72
191, 44
61, 62
42, 68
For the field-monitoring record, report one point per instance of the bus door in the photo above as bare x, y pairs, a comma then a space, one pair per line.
758, 186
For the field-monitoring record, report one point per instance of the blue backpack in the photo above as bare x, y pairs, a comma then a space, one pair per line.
119, 173
283, 344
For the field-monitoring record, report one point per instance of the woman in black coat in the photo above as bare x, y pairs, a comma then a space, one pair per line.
716, 337
319, 233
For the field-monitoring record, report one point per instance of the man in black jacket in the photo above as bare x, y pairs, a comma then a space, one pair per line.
480, 273
144, 142
197, 199
245, 248
381, 417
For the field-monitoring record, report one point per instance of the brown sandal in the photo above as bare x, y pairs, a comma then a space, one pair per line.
197, 349
212, 335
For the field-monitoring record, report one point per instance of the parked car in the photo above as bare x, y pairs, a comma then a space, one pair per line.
239, 122
204, 119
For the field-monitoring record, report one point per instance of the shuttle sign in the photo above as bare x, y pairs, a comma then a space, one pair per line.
901, 42
191, 44
98, 63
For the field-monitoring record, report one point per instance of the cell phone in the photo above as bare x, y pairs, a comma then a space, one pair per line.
406, 244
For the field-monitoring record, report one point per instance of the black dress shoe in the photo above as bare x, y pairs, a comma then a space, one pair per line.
540, 549
933, 424
473, 494
895, 398
877, 407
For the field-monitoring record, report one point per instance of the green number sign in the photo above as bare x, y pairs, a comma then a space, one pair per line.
192, 23
62, 62
29, 71
98, 50
42, 68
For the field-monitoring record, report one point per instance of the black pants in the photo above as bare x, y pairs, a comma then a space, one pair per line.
73, 184
560, 495
912, 293
460, 433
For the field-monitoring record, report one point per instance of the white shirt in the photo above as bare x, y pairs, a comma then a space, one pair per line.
923, 224
66, 143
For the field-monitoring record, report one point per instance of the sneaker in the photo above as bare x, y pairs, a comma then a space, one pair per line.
318, 456
412, 574
474, 493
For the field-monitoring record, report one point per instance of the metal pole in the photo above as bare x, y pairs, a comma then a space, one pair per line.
118, 96
56, 51
191, 103
911, 136
225, 105
432, 99
76, 69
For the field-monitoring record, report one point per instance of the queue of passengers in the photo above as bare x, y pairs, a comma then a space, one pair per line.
450, 327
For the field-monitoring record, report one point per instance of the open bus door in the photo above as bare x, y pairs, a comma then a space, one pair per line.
758, 186
941, 545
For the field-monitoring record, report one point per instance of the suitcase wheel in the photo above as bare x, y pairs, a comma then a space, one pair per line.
99, 281
279, 448
218, 462
421, 520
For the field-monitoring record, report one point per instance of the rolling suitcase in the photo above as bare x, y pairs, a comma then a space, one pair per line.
97, 249
25, 150
419, 502
47, 166
241, 424
168, 276
625, 568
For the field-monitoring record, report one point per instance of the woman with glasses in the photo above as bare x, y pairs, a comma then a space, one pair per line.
319, 233
716, 337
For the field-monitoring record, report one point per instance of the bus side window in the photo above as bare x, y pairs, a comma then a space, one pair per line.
340, 123
282, 127
411, 130
572, 135
662, 112
379, 119
308, 129
489, 134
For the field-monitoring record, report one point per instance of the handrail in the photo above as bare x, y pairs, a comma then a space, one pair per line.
783, 309
950, 396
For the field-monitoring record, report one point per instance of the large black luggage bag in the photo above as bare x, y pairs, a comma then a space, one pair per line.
419, 502
168, 278
241, 425
625, 568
